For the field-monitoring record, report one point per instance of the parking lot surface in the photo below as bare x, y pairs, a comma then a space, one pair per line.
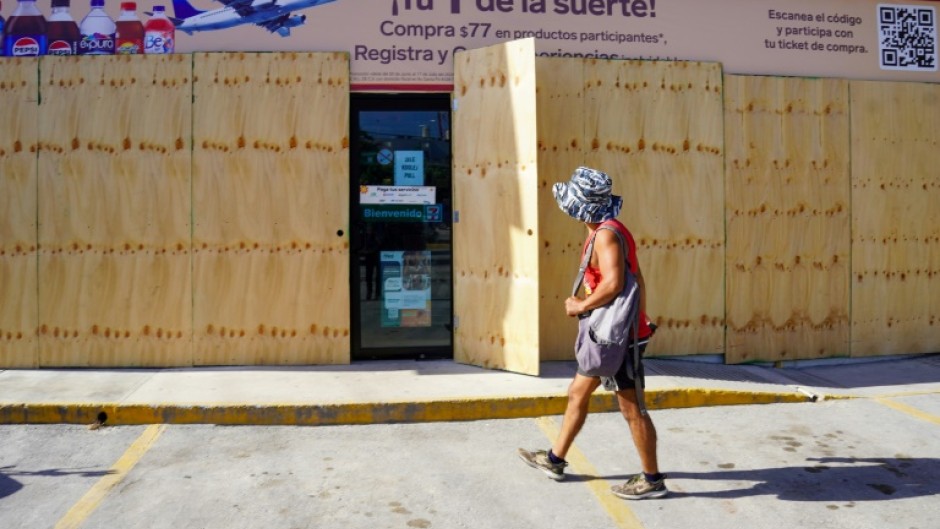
860, 463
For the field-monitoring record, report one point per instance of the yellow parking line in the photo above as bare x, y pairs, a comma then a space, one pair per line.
910, 410
615, 507
93, 498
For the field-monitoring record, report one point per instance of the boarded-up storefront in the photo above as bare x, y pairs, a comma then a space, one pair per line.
194, 209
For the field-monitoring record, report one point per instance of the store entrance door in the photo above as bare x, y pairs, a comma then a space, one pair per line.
400, 215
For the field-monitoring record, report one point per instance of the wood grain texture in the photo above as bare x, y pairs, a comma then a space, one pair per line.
271, 201
895, 135
19, 114
114, 209
788, 218
559, 100
656, 128
495, 182
101, 264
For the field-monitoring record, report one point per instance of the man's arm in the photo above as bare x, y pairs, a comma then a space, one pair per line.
611, 264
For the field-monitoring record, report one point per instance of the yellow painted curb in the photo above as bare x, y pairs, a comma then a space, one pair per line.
369, 413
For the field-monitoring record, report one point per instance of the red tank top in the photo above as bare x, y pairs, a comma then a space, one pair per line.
592, 276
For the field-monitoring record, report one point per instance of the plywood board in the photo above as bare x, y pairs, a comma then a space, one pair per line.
114, 209
19, 111
788, 218
271, 201
895, 135
560, 103
656, 128
496, 233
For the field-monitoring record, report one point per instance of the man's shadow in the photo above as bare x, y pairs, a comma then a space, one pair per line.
829, 479
9, 485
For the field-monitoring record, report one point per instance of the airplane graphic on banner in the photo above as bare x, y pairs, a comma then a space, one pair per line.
275, 16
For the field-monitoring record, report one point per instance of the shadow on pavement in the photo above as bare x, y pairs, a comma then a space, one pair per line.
850, 374
8, 485
831, 479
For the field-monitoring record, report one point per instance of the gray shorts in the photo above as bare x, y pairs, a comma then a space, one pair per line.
621, 379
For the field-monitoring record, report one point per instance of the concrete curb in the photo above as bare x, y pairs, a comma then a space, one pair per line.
468, 409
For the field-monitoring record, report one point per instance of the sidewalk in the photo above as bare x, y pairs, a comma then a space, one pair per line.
420, 391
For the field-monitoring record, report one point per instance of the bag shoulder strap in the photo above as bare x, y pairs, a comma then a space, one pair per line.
585, 261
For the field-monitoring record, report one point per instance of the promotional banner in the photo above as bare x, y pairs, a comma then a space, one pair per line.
411, 44
406, 289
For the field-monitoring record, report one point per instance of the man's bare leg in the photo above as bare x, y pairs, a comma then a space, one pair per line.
642, 429
579, 398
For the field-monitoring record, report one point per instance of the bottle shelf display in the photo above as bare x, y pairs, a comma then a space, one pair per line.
29, 33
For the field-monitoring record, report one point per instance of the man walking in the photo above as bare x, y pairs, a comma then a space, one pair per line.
587, 197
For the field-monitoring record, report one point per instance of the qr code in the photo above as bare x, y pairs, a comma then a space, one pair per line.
907, 37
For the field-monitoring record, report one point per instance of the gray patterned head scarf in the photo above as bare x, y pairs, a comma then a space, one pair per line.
587, 196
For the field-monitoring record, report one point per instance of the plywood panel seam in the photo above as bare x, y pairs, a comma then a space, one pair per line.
724, 216
851, 212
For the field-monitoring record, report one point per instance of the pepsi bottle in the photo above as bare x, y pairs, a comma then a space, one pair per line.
62, 34
25, 32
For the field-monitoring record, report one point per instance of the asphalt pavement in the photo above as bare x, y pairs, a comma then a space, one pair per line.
840, 464
837, 445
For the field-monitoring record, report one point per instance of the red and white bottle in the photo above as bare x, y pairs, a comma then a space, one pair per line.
159, 33
129, 38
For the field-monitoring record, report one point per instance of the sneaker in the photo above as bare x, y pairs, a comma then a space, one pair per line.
638, 488
539, 459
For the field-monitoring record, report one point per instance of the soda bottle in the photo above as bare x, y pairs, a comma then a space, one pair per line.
25, 31
62, 31
97, 31
129, 39
158, 33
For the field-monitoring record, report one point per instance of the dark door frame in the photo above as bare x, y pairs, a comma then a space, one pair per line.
372, 101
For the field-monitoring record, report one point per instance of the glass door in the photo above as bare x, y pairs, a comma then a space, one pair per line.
400, 213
